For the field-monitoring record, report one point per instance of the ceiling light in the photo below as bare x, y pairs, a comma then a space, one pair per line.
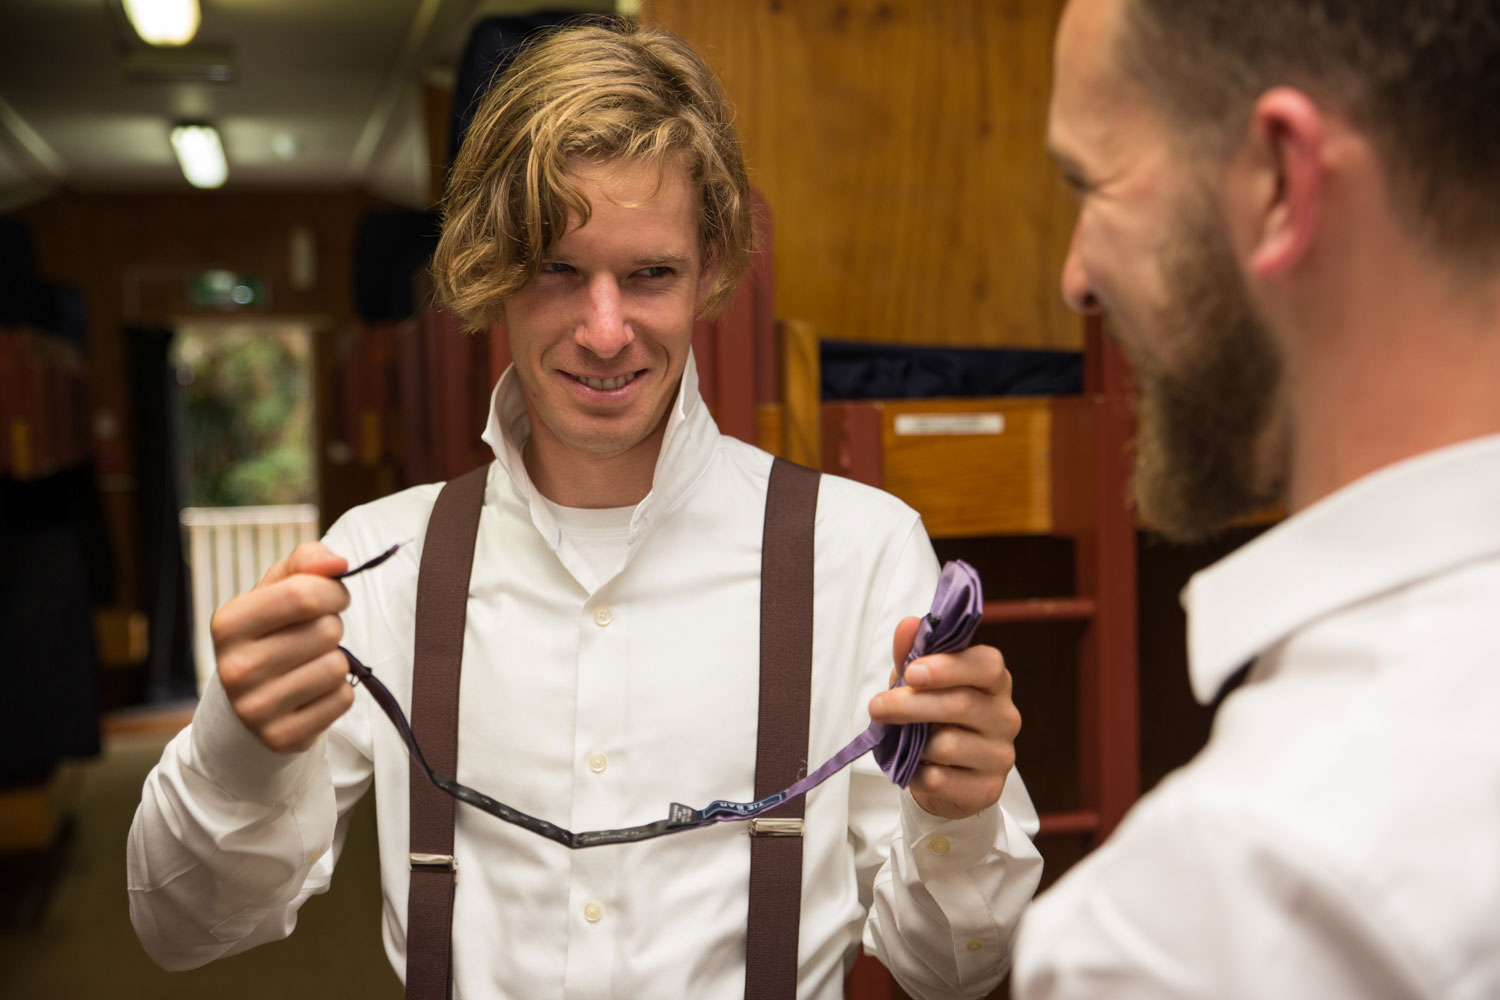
285, 145
163, 22
200, 154
197, 63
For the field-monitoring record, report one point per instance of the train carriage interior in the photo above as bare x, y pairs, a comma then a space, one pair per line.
218, 333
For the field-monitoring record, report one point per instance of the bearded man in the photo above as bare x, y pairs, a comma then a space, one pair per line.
1290, 212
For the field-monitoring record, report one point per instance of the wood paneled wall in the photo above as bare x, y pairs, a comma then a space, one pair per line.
900, 144
130, 254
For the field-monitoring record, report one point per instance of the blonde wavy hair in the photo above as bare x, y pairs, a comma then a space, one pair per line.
597, 90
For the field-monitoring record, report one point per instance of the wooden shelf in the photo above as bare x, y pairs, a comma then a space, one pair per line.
1063, 823
1040, 609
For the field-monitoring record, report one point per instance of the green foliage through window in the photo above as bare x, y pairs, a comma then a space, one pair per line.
247, 411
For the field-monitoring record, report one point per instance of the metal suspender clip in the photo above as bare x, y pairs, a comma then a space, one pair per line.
433, 862
768, 826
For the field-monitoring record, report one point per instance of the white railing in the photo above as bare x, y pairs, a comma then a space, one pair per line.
229, 549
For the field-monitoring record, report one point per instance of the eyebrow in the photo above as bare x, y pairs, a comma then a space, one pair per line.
1063, 160
652, 260
657, 260
1072, 171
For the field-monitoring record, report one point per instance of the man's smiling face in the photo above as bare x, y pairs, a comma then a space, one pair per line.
1151, 250
601, 335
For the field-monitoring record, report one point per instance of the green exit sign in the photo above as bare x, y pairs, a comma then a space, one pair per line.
227, 290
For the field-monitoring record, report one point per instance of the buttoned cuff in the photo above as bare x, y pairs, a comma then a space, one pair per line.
966, 866
950, 845
236, 761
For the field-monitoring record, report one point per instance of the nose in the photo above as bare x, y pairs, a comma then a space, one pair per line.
1077, 289
604, 330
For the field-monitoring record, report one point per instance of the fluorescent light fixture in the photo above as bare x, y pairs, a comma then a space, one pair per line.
200, 154
163, 22
285, 146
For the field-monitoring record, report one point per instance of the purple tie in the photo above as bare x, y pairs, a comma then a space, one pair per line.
947, 627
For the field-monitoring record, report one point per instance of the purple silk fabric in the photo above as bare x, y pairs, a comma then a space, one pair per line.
948, 627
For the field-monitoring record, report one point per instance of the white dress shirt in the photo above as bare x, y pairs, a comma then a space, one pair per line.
593, 696
1339, 836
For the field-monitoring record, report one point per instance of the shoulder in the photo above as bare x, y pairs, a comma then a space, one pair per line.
844, 505
1196, 888
1168, 906
382, 602
872, 554
365, 530
1304, 811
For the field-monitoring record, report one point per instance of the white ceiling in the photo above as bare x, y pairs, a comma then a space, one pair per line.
340, 77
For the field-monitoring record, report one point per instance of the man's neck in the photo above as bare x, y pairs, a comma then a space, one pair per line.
1403, 367
573, 478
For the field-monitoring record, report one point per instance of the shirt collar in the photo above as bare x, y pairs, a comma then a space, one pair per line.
686, 449
1405, 522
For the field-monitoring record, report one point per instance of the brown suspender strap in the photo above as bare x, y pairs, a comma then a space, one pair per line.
786, 641
442, 606
786, 644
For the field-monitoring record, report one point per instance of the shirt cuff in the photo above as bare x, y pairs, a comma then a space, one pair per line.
950, 845
236, 761
962, 864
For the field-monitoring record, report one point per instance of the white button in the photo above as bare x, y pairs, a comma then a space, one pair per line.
593, 912
938, 845
975, 944
602, 617
597, 763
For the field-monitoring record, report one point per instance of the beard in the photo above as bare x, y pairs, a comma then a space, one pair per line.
1207, 451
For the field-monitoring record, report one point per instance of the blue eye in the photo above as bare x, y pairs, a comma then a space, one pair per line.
659, 271
555, 267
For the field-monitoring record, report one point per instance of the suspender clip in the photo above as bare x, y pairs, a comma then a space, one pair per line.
433, 862
767, 826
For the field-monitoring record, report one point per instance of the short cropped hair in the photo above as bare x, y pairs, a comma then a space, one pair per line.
603, 89
1418, 77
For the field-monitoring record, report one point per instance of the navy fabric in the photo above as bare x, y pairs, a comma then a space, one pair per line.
390, 248
857, 370
18, 280
161, 480
492, 45
57, 566
59, 310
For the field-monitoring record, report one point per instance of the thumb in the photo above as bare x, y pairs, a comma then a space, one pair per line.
901, 643
309, 557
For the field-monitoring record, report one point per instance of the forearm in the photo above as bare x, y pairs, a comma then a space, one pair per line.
227, 840
948, 900
942, 920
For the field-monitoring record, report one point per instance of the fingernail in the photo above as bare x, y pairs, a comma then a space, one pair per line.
877, 705
917, 674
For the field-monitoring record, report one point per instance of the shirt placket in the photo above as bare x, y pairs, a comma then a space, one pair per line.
599, 800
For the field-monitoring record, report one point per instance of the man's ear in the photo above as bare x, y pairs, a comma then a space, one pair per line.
1281, 180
